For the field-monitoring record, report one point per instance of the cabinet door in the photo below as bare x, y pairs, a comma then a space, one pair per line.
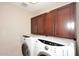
65, 22
40, 23
49, 23
34, 25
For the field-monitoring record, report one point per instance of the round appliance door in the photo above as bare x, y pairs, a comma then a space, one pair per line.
25, 50
43, 54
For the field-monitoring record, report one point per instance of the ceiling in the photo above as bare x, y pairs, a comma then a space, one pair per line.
39, 7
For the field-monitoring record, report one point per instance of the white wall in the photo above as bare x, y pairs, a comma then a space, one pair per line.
14, 22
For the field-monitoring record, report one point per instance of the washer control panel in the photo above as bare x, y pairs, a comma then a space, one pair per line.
50, 43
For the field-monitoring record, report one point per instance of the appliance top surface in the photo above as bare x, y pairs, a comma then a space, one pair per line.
64, 41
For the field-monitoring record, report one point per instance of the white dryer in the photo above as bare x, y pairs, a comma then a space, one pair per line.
27, 46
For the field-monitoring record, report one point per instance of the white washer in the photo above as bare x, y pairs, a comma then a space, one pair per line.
53, 46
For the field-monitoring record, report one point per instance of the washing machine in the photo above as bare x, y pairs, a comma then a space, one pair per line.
53, 46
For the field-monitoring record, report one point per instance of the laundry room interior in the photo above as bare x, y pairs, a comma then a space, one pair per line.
39, 28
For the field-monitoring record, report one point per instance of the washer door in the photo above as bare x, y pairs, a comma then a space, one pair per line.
43, 54
25, 50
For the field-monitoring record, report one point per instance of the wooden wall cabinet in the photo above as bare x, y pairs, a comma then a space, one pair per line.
49, 23
37, 24
59, 22
40, 21
65, 22
34, 25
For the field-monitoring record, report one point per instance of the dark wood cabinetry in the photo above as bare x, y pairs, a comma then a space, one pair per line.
40, 21
65, 22
59, 22
34, 25
37, 24
49, 23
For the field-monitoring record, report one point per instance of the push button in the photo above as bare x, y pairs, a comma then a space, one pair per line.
46, 48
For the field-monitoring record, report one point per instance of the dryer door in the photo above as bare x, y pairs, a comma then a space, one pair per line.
25, 50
